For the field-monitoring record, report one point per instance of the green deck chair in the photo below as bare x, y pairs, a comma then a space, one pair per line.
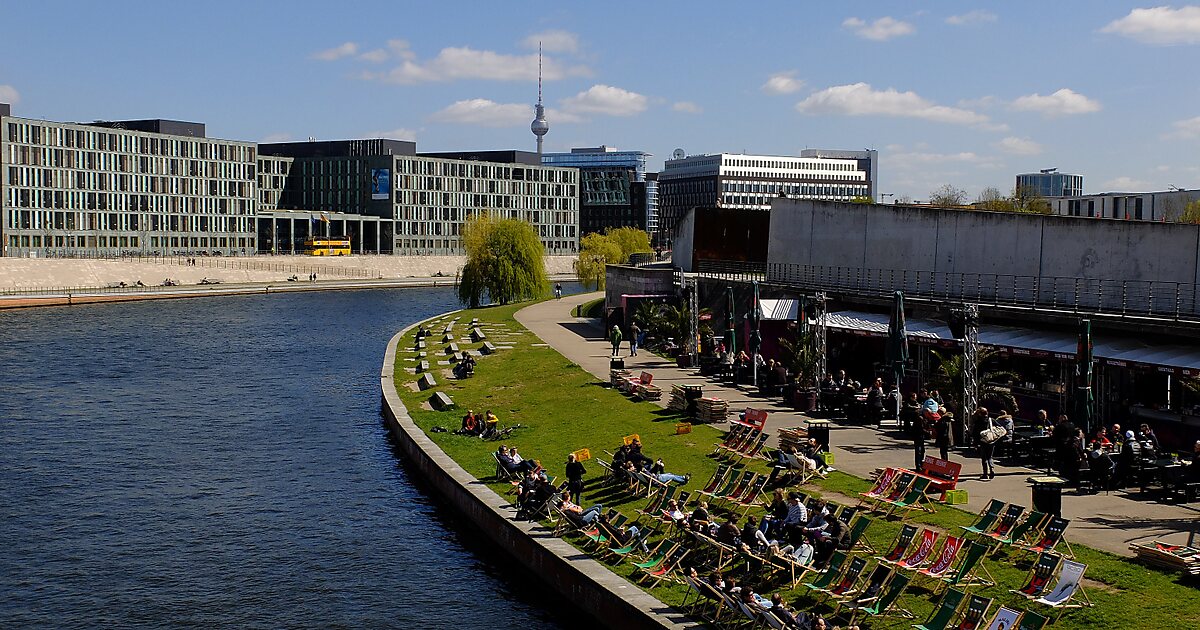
884, 606
945, 611
913, 499
831, 573
857, 528
968, 572
1032, 524
986, 519
1031, 621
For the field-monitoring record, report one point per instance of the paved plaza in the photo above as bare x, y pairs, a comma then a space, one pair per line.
1104, 521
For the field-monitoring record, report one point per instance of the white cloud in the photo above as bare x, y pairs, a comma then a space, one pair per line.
401, 48
374, 56
337, 52
400, 133
1189, 128
1126, 184
555, 41
1019, 146
282, 136
860, 99
1159, 25
1064, 102
687, 107
607, 100
485, 113
934, 158
978, 16
783, 83
467, 63
9, 94
983, 102
880, 30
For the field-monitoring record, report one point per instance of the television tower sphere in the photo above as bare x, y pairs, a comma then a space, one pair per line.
539, 126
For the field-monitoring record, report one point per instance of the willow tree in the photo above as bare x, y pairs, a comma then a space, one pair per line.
613, 247
504, 261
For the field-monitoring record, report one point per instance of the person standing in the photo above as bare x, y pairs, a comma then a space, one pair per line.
614, 337
944, 432
634, 331
984, 446
916, 429
575, 473
557, 291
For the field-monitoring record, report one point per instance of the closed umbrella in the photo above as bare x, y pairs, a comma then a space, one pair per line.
1085, 402
897, 351
731, 322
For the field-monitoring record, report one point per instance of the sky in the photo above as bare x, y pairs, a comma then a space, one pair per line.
960, 93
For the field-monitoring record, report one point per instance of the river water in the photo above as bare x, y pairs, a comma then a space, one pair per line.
221, 462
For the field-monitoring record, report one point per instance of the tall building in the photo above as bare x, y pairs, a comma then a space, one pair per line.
615, 190
128, 187
1050, 183
730, 180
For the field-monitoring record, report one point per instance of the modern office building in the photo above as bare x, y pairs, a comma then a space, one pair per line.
615, 189
108, 188
1166, 205
1050, 183
730, 180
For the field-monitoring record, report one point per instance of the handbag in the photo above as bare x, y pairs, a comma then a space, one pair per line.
991, 434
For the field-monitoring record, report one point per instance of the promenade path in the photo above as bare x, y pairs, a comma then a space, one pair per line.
1102, 521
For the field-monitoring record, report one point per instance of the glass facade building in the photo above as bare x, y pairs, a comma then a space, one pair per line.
615, 189
1051, 184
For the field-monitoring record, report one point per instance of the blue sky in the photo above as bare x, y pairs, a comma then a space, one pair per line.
949, 92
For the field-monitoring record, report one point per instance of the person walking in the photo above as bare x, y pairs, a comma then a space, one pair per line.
634, 331
985, 444
557, 291
614, 337
916, 430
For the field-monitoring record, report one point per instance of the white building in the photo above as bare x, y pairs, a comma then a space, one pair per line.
1164, 205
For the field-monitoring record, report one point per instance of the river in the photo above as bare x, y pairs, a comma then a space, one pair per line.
221, 462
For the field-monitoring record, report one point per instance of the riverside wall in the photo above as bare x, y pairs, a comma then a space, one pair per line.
591, 586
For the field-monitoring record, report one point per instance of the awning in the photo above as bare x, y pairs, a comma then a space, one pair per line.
1024, 341
778, 310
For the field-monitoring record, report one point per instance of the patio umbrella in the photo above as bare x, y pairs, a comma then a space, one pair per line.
897, 349
731, 322
755, 332
1085, 402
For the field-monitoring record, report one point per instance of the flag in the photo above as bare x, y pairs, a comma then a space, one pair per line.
325, 217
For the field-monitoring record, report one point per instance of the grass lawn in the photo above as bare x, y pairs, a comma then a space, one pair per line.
562, 408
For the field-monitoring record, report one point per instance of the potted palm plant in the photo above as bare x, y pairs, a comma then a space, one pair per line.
801, 360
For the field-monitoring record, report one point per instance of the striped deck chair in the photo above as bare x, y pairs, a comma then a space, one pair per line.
1008, 519
755, 491
868, 591
831, 572
730, 483
736, 433
848, 579
657, 557
945, 559
977, 608
739, 442
858, 527
883, 483
608, 472
658, 501
922, 553
1051, 536
1039, 576
1030, 526
900, 545
718, 477
1070, 578
945, 611
913, 499
742, 487
896, 492
987, 518
787, 562
885, 605
970, 571
1032, 621
666, 568
754, 448
630, 548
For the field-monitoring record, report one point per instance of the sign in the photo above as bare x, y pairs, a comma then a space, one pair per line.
381, 184
582, 455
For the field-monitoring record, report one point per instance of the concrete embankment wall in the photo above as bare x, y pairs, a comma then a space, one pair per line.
588, 584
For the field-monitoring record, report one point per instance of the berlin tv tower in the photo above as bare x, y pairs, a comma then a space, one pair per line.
539, 126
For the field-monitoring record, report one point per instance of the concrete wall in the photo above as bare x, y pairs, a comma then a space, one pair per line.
588, 584
1000, 252
621, 280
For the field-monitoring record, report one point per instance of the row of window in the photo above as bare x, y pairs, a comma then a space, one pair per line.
47, 180
75, 200
131, 164
38, 241
72, 137
793, 165
492, 186
483, 170
127, 221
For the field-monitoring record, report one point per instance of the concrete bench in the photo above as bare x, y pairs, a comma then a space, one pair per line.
452, 349
423, 366
426, 381
440, 401
474, 321
420, 345
422, 354
477, 335
447, 337
488, 348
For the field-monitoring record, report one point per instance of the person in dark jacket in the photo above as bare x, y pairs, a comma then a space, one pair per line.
575, 473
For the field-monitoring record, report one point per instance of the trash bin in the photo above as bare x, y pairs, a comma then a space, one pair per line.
692, 394
819, 430
616, 364
1047, 494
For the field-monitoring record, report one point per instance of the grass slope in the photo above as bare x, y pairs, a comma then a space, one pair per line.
562, 408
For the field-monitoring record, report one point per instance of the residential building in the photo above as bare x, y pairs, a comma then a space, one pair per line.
730, 180
1166, 205
615, 189
1050, 183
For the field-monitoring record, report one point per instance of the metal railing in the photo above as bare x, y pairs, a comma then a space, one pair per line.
732, 269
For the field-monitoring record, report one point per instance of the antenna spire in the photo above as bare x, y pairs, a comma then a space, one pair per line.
539, 72
539, 126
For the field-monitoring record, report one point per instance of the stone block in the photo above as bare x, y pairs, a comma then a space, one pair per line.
487, 348
440, 401
423, 366
452, 349
426, 381
477, 335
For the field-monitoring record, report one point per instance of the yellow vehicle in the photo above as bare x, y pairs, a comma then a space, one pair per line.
327, 247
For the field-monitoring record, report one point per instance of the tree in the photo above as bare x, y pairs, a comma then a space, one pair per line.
1191, 212
631, 241
993, 384
504, 260
613, 247
863, 199
1026, 200
990, 199
947, 196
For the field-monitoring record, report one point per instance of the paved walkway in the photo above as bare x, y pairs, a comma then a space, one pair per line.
1103, 521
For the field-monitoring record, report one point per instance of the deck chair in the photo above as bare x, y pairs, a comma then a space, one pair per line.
922, 553
857, 540
739, 442
1039, 575
869, 591
970, 571
1052, 536
945, 559
608, 472
730, 484
735, 435
987, 518
900, 544
831, 572
630, 548
1063, 595
752, 494
913, 499
754, 449
848, 580
715, 481
1008, 519
883, 483
657, 557
658, 501
1032, 621
1004, 618
897, 491
977, 608
664, 570
741, 489
1030, 526
885, 604
786, 562
945, 611
502, 473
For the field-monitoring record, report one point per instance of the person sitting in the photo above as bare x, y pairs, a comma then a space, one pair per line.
521, 462
1100, 439
577, 515
729, 534
750, 531
1101, 465
1147, 437
699, 519
811, 451
511, 465
634, 454
465, 367
489, 423
471, 424
673, 512
818, 522
797, 515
